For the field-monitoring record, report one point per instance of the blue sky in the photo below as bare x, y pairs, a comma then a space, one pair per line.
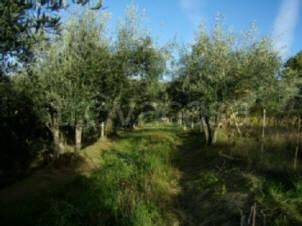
167, 19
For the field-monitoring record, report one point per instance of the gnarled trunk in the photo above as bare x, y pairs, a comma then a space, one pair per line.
208, 131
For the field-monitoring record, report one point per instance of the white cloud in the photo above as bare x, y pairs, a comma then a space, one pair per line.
285, 24
193, 9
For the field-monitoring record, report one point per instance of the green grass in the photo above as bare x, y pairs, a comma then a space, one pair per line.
135, 184
161, 176
223, 182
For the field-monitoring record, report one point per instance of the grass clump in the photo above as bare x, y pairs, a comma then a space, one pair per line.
281, 205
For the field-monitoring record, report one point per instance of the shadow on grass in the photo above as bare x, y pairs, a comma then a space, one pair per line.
70, 199
70, 204
154, 176
221, 184
131, 188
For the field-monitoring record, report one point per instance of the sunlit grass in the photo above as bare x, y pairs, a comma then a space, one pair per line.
134, 183
164, 176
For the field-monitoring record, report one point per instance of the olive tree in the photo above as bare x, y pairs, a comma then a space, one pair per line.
139, 64
224, 70
66, 75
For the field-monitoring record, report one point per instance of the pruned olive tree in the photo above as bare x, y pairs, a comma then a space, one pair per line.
67, 76
223, 71
138, 66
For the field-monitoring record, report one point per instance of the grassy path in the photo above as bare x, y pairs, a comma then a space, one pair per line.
154, 177
187, 161
128, 181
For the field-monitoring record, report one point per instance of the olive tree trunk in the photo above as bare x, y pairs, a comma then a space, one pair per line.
55, 130
102, 129
78, 136
210, 132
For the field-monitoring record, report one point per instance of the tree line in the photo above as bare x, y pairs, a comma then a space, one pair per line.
68, 84
223, 74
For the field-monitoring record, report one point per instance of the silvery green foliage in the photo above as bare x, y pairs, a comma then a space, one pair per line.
139, 64
67, 69
223, 70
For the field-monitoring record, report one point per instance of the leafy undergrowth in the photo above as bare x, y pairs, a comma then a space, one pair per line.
135, 185
238, 185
